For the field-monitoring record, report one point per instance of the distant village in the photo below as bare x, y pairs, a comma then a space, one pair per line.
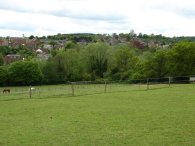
42, 46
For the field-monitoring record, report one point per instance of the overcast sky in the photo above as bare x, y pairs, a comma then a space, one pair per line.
47, 17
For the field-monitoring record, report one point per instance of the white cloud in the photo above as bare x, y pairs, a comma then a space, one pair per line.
43, 17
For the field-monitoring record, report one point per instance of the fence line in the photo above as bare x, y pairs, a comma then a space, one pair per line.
92, 87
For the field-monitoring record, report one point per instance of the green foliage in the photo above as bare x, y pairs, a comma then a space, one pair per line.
4, 50
25, 52
1, 60
64, 66
49, 72
25, 73
4, 75
125, 62
183, 59
80, 59
125, 59
53, 43
53, 52
96, 59
156, 65
31, 37
139, 72
70, 45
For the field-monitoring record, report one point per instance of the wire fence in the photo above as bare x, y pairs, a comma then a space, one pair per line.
91, 87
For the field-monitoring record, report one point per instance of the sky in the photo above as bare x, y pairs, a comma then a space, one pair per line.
49, 17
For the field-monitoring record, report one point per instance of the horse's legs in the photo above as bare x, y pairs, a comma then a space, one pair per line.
6, 90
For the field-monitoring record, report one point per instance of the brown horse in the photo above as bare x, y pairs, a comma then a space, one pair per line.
6, 91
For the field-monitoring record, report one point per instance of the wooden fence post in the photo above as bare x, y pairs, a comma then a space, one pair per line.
139, 84
169, 81
105, 87
72, 85
147, 83
30, 92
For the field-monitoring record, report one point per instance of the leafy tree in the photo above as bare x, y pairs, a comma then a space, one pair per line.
4, 50
4, 76
59, 64
43, 37
96, 59
53, 43
183, 59
157, 64
74, 65
70, 45
53, 52
25, 52
139, 72
25, 73
49, 72
66, 67
125, 62
1, 59
31, 37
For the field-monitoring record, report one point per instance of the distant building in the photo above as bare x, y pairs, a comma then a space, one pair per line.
33, 43
11, 58
43, 56
17, 41
47, 46
39, 51
138, 43
3, 42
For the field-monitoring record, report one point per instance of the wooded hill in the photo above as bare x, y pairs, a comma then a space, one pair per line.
92, 57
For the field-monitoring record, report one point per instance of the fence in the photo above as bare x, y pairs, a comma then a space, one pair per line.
89, 87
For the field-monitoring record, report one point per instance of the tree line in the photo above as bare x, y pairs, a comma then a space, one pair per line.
100, 61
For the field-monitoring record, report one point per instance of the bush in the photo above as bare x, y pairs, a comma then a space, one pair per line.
25, 73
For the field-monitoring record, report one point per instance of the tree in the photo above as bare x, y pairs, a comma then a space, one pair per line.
53, 43
4, 76
183, 59
49, 72
70, 45
25, 73
1, 59
31, 37
66, 66
25, 52
4, 50
125, 62
157, 64
96, 59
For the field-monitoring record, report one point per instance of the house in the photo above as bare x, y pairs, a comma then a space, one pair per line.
43, 56
33, 43
3, 42
47, 46
39, 51
16, 42
138, 43
11, 58
29, 43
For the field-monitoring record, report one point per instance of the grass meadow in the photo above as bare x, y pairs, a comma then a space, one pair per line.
124, 115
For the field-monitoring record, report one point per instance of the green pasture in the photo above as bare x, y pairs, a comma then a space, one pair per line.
124, 115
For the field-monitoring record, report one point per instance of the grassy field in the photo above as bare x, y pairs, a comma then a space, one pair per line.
125, 115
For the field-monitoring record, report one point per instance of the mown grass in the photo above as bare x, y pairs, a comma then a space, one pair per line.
133, 116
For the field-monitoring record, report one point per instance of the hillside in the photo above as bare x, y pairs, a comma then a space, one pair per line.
76, 57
